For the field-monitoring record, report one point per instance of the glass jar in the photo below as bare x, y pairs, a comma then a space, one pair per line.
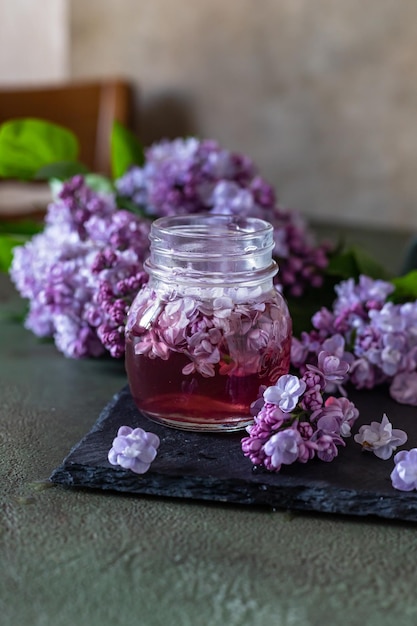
209, 329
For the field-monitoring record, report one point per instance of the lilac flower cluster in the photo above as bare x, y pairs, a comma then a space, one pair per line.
134, 449
191, 176
297, 422
376, 337
81, 273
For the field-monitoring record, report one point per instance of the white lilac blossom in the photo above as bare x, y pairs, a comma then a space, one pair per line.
286, 392
298, 422
191, 176
374, 337
134, 449
380, 438
404, 474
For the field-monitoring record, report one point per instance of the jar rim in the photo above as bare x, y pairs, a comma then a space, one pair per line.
210, 244
237, 227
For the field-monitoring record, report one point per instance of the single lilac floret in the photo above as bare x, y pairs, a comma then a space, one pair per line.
286, 392
403, 388
380, 438
282, 448
332, 368
134, 449
337, 416
404, 474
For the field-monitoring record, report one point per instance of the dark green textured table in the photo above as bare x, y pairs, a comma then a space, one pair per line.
87, 557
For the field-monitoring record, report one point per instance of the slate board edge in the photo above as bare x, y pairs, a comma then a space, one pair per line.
298, 496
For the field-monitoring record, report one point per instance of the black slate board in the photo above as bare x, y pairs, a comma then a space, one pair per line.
212, 466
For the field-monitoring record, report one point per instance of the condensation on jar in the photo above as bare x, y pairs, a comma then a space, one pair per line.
209, 330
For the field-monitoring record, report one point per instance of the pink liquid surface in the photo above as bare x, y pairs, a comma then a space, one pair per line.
194, 402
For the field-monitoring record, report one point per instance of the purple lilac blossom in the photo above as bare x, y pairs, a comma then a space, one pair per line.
403, 388
336, 416
296, 423
190, 176
134, 449
81, 273
380, 438
366, 292
82, 303
282, 448
404, 474
375, 340
269, 419
326, 445
331, 367
312, 398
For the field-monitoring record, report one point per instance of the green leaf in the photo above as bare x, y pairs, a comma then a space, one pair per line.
313, 299
20, 227
129, 205
353, 262
405, 287
7, 243
97, 182
342, 265
29, 144
15, 233
368, 266
14, 315
126, 150
61, 170
410, 257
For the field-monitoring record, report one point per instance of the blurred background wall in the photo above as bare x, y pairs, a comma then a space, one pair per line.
34, 41
321, 94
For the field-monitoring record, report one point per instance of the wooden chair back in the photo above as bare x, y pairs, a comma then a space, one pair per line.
87, 108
